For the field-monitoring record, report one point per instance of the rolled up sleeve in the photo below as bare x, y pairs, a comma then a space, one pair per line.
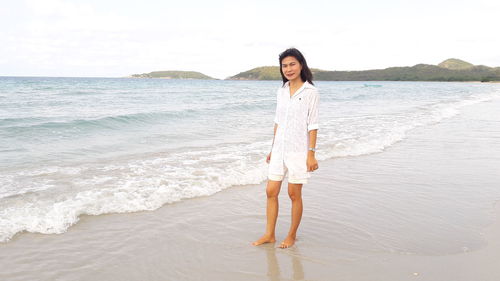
312, 116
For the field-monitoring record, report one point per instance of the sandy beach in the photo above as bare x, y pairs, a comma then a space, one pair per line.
424, 209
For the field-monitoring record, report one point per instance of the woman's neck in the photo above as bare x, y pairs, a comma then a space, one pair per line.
296, 83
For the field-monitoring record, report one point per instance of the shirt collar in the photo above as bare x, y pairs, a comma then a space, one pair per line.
306, 85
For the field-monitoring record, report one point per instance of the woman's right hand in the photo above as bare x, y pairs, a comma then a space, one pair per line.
268, 158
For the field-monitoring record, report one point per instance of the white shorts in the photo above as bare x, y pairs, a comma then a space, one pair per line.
274, 177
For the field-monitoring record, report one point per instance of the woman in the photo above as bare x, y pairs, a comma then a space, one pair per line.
294, 142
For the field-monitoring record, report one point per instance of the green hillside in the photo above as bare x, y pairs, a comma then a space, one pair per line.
455, 64
172, 74
419, 72
259, 73
448, 70
263, 73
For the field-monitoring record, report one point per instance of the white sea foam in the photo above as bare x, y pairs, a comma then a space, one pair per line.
356, 137
134, 186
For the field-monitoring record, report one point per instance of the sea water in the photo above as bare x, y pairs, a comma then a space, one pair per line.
73, 146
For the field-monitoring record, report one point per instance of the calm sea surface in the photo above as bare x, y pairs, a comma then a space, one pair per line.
72, 146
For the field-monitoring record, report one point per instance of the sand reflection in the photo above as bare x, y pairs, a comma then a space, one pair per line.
273, 268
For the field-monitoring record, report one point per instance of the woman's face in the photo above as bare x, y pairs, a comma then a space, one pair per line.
291, 68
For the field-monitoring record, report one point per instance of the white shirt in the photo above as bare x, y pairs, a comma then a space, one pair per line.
295, 115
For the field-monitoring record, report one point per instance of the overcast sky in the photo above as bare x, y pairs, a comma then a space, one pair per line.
222, 38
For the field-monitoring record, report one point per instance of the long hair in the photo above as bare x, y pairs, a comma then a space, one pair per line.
305, 73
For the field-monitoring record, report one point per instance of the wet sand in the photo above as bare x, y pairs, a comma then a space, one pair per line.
424, 209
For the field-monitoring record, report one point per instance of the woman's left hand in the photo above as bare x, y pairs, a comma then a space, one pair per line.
312, 163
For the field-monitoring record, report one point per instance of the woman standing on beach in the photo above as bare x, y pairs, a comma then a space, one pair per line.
294, 142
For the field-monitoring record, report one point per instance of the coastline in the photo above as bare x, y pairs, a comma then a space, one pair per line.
408, 227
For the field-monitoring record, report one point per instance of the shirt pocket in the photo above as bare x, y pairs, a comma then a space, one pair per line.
298, 109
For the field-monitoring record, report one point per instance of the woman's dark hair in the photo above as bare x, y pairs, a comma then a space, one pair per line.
305, 73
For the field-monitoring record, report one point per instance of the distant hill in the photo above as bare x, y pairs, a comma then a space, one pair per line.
262, 73
172, 74
455, 64
259, 73
448, 70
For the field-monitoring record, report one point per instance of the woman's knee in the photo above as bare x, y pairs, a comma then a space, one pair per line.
272, 193
273, 189
295, 192
294, 195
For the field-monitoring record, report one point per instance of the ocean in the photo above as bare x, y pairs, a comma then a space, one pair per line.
74, 146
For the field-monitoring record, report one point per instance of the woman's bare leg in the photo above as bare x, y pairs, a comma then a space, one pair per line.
272, 191
295, 193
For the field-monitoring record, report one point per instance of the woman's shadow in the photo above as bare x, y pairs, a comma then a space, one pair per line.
273, 267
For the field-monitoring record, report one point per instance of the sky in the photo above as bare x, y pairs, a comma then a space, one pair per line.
221, 38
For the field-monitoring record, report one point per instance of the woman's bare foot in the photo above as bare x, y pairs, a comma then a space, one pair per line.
264, 239
288, 242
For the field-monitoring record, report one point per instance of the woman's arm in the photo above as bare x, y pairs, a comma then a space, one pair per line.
312, 163
312, 130
269, 155
312, 140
